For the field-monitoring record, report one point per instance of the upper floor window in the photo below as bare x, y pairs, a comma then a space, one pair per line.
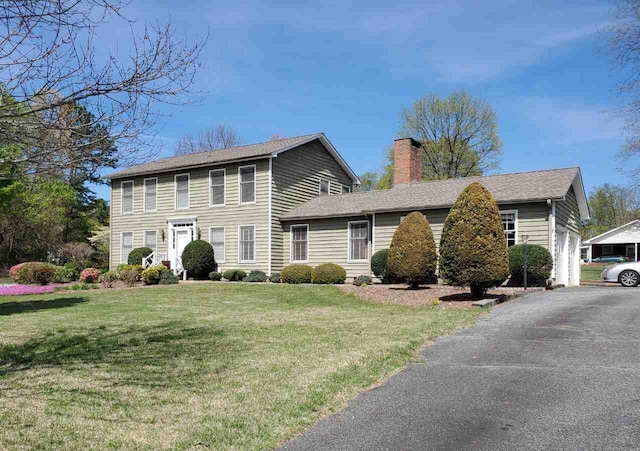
217, 187
126, 189
346, 189
150, 194
247, 176
182, 191
246, 244
325, 187
299, 243
510, 226
358, 241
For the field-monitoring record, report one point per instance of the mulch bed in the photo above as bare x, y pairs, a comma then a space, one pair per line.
448, 296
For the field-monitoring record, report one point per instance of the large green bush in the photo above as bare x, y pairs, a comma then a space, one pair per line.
296, 274
37, 273
136, 255
380, 266
328, 273
65, 274
412, 254
539, 264
473, 248
198, 259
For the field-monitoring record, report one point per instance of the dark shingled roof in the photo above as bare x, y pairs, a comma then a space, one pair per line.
506, 188
216, 156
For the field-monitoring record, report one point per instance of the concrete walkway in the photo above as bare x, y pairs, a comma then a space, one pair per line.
555, 370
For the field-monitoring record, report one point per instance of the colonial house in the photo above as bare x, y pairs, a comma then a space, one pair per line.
267, 205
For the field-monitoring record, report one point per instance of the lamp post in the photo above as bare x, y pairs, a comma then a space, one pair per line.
525, 239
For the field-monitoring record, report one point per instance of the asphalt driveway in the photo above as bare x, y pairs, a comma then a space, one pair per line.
554, 370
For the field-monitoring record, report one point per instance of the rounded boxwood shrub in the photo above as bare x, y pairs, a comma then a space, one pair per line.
473, 249
362, 281
297, 274
412, 255
136, 255
198, 259
539, 264
328, 273
215, 276
234, 275
275, 277
256, 276
379, 264
152, 274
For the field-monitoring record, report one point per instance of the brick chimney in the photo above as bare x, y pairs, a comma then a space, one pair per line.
407, 161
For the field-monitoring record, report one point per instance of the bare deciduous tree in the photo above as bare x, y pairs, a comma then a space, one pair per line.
458, 133
49, 60
215, 138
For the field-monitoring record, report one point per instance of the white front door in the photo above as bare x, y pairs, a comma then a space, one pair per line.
181, 233
183, 237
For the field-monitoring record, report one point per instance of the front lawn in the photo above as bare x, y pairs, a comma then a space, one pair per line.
591, 272
217, 366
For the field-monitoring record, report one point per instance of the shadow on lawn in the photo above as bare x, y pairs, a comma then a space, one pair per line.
153, 356
13, 308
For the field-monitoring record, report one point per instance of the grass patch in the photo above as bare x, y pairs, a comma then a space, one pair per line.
591, 272
223, 366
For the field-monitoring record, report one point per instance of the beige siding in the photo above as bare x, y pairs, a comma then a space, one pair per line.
328, 243
296, 179
229, 216
568, 212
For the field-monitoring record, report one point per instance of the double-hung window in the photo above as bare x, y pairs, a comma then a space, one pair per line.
247, 179
217, 187
150, 194
126, 245
299, 243
510, 226
216, 238
358, 241
182, 191
325, 187
126, 189
151, 239
247, 243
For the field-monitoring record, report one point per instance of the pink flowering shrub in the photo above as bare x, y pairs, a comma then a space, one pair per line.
89, 275
19, 290
13, 272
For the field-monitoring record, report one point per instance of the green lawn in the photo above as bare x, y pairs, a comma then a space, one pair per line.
591, 272
218, 366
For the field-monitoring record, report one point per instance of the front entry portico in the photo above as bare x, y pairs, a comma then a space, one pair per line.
181, 232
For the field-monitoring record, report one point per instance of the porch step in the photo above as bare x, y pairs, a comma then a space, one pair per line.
485, 302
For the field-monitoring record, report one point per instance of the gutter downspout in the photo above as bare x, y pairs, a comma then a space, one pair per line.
552, 235
270, 216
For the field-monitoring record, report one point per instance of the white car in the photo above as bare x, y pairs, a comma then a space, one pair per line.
626, 274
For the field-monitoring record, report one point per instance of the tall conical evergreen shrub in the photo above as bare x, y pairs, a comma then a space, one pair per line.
412, 254
473, 248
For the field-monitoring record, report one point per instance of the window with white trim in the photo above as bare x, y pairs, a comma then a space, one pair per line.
510, 226
217, 183
324, 187
247, 175
151, 239
346, 189
359, 241
150, 194
126, 246
247, 244
299, 243
127, 197
182, 191
216, 238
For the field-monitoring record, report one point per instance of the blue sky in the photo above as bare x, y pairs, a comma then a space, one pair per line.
347, 69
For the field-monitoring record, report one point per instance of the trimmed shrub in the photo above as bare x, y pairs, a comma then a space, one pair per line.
74, 270
256, 276
168, 277
412, 255
128, 267
198, 259
473, 249
328, 273
362, 281
89, 275
297, 274
234, 275
152, 274
275, 277
136, 255
380, 266
539, 264
13, 271
215, 276
37, 273
64, 274
108, 278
